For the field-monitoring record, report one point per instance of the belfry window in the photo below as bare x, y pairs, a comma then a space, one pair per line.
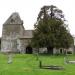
12, 20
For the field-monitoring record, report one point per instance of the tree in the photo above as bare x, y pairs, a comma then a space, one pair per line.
51, 30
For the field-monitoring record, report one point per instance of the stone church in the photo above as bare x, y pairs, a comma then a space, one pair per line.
14, 37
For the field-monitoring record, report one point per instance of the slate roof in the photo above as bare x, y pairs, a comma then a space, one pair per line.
28, 34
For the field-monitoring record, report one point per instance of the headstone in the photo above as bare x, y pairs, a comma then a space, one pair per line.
9, 58
65, 60
40, 64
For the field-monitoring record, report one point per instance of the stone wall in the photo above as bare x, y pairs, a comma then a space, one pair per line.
22, 44
10, 34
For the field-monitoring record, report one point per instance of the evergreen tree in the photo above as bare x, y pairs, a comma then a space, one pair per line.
51, 30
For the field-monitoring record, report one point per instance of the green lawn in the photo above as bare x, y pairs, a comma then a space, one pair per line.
24, 64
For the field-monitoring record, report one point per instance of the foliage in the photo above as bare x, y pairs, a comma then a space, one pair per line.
51, 30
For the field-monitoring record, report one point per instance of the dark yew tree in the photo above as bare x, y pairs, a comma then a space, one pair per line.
51, 30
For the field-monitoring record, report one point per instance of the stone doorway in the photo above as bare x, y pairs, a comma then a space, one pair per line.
61, 51
29, 50
50, 50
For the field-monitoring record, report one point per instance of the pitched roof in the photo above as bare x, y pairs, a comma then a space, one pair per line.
14, 19
28, 34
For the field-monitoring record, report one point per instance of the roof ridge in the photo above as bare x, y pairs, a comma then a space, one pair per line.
14, 19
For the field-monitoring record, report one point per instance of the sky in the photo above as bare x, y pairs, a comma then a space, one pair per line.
29, 10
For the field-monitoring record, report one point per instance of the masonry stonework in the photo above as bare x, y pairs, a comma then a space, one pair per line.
14, 37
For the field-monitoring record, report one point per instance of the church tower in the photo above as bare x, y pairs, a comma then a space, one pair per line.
12, 29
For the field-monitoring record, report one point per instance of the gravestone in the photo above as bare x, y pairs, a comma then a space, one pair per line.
66, 61
9, 58
9, 54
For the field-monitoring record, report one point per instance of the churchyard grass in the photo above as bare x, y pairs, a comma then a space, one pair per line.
26, 64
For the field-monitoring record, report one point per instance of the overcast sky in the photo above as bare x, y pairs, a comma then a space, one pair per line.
29, 9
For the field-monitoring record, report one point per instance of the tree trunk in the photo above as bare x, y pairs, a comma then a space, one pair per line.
50, 50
